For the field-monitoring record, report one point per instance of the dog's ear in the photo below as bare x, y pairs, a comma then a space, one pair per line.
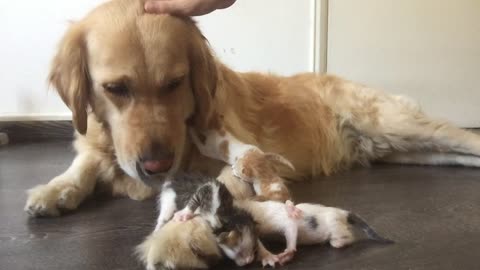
69, 75
203, 77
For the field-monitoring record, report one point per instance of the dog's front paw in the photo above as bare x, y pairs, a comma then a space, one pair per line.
49, 199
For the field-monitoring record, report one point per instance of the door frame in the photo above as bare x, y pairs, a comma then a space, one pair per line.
320, 36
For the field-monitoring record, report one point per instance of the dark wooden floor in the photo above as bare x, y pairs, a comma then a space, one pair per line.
433, 214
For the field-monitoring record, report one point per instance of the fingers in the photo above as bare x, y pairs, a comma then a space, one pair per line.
177, 7
225, 4
186, 7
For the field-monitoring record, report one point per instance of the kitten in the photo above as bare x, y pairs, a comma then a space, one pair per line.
211, 200
249, 163
307, 224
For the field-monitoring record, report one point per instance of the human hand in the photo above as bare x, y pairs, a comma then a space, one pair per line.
186, 7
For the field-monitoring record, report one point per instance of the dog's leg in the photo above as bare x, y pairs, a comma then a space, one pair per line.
124, 185
67, 190
400, 126
197, 141
419, 158
426, 134
420, 132
207, 144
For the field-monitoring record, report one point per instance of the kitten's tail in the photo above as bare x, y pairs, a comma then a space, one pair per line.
357, 221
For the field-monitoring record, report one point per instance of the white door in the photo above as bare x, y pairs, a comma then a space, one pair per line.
427, 49
266, 35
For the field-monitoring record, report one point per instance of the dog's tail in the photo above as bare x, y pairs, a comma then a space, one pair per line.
357, 221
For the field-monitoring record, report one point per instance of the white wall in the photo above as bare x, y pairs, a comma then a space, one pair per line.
30, 31
263, 35
426, 49
266, 35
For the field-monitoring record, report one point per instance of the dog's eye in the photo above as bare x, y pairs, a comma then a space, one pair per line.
173, 84
118, 89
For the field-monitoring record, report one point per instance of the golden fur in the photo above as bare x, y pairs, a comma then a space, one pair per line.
320, 123
89, 58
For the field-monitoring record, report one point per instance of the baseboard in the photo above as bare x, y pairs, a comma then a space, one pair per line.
36, 131
3, 139
35, 117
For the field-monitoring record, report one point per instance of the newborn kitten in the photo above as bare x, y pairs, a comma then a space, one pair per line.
306, 224
249, 163
210, 199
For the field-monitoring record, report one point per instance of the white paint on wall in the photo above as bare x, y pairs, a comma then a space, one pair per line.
266, 35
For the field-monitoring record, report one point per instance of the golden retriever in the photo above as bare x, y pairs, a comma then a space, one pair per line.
133, 81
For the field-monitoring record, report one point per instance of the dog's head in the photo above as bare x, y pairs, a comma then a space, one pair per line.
143, 76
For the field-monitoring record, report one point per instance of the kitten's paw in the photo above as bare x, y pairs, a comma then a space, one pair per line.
49, 199
270, 260
183, 215
293, 211
286, 256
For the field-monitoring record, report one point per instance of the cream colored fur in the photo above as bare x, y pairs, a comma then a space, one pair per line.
176, 246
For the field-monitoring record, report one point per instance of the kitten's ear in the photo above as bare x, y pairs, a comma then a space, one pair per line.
232, 234
279, 159
247, 171
222, 237
228, 237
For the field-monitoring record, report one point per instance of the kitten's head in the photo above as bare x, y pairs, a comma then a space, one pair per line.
239, 244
